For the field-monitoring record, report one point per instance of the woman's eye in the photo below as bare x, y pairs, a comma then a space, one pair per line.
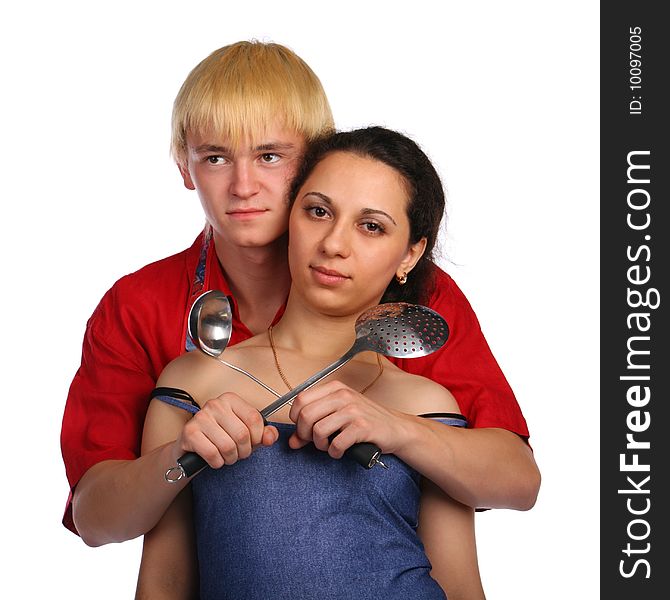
269, 157
372, 227
318, 211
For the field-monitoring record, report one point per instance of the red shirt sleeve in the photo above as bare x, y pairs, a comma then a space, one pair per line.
133, 333
466, 366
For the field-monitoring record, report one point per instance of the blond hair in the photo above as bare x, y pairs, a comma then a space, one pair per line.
241, 90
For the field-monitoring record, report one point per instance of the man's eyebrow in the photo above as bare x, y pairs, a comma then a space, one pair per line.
269, 146
211, 148
365, 211
266, 147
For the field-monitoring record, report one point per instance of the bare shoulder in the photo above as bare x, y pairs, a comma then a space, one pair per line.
253, 355
417, 395
205, 377
247, 348
190, 372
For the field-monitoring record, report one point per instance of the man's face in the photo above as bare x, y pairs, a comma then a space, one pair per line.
243, 190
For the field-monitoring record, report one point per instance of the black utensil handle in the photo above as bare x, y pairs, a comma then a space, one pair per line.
191, 462
365, 454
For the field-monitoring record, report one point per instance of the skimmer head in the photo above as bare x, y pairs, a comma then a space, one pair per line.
402, 330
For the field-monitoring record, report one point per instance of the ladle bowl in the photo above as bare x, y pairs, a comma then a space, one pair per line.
210, 322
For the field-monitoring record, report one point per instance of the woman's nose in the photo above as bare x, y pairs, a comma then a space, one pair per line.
337, 241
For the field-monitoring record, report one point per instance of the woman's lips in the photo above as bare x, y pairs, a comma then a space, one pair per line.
328, 276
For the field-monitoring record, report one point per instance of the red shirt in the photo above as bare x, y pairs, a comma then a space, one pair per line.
140, 326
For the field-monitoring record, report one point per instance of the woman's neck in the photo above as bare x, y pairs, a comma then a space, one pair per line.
305, 331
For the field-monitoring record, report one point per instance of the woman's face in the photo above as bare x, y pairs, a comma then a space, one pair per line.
349, 234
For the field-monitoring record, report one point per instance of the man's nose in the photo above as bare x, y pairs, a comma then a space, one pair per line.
245, 182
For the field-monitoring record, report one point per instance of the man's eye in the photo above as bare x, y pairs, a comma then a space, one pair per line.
269, 157
216, 160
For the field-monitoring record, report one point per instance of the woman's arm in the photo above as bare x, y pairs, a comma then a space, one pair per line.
482, 468
169, 566
447, 531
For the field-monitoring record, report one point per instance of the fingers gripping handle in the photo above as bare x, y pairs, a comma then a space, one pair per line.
365, 454
189, 464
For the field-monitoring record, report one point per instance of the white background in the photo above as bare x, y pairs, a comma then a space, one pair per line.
502, 95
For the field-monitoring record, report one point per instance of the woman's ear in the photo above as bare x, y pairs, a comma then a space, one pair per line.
414, 253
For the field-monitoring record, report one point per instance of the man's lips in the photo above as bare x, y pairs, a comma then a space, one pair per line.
245, 213
328, 276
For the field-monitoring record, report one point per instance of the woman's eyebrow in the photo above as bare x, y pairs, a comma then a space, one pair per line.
375, 211
318, 195
365, 211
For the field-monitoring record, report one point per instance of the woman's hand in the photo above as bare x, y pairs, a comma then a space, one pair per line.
334, 408
225, 430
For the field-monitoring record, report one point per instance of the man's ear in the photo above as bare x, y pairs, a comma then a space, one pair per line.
186, 176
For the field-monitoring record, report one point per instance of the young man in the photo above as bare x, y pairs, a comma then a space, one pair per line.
240, 124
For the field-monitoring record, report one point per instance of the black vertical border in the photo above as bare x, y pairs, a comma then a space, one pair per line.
624, 536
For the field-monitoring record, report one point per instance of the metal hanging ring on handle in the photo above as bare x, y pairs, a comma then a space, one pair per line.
170, 476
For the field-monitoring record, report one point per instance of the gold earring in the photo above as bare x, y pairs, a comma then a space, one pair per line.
401, 279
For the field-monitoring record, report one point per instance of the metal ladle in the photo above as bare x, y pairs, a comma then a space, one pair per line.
210, 323
399, 329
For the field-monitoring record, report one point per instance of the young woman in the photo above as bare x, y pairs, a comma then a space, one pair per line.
277, 517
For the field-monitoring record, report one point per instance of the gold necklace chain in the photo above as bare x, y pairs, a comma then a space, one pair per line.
290, 387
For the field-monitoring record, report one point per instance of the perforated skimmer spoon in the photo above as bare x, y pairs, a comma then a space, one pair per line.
398, 329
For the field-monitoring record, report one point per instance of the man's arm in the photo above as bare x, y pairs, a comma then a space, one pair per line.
118, 500
126, 345
488, 465
482, 468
